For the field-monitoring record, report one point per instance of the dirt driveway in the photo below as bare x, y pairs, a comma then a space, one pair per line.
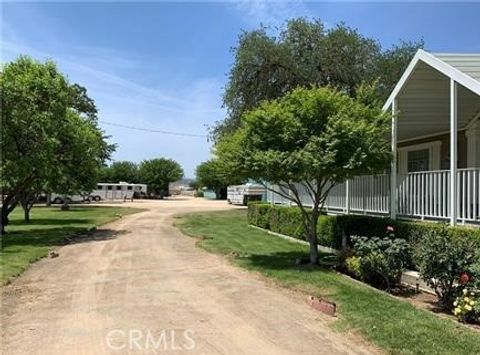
142, 287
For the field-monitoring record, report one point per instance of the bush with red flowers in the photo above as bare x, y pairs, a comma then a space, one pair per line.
445, 263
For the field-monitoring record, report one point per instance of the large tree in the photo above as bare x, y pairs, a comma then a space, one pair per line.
83, 154
304, 53
41, 112
120, 171
306, 142
158, 174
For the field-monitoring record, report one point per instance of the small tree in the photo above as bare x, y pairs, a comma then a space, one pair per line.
210, 174
306, 143
158, 173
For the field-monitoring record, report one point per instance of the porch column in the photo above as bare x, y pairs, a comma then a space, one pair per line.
453, 152
393, 169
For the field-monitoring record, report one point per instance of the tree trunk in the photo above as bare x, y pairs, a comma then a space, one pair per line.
49, 200
4, 221
65, 206
26, 214
8, 206
312, 238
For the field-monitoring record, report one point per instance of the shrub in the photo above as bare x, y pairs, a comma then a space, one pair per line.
333, 231
381, 260
467, 306
475, 273
352, 264
198, 193
441, 258
259, 214
329, 233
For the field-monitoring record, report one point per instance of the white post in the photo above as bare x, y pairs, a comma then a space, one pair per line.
393, 170
453, 152
347, 196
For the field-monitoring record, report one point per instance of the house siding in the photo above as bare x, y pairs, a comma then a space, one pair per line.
444, 148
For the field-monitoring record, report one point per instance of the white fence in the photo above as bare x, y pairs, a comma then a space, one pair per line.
424, 195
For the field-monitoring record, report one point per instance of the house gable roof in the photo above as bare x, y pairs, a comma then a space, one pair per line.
463, 68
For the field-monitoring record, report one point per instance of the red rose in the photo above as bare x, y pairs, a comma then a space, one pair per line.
464, 278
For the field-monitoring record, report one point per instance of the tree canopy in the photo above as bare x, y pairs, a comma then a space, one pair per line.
49, 134
120, 171
305, 53
158, 173
210, 174
305, 143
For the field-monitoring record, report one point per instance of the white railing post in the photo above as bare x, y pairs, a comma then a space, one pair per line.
347, 197
393, 170
453, 152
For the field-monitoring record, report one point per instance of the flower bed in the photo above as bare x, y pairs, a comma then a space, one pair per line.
376, 252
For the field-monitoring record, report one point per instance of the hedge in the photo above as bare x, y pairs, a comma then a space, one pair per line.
331, 229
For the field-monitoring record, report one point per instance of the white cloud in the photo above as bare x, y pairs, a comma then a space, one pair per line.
270, 13
110, 77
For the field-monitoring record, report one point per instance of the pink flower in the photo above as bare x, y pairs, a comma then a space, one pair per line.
390, 229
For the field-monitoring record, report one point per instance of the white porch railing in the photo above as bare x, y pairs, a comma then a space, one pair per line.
424, 195
427, 194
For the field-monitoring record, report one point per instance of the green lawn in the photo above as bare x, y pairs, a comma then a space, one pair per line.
25, 243
394, 325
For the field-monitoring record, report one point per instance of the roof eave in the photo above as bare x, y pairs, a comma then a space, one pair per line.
440, 66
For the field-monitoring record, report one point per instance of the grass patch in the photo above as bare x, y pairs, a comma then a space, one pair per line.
393, 324
25, 243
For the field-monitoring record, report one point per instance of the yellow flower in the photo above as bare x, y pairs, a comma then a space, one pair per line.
468, 307
457, 311
472, 303
455, 303
466, 299
465, 291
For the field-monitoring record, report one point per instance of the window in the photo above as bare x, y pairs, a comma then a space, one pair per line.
129, 187
119, 187
418, 160
99, 187
109, 187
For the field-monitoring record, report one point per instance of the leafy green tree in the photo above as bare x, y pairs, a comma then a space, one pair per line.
304, 53
305, 143
38, 104
211, 175
158, 173
120, 171
84, 152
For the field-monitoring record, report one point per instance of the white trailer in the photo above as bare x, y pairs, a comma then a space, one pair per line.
105, 191
120, 191
242, 194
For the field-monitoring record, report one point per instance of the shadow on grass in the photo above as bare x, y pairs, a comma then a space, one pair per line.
54, 237
49, 222
295, 260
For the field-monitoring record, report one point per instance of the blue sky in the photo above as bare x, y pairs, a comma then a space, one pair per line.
164, 65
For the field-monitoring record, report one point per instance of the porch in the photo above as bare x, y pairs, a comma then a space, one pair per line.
420, 195
435, 140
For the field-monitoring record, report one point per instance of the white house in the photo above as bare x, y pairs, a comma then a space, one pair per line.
435, 139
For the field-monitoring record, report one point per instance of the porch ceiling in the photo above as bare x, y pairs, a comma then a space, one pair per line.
424, 104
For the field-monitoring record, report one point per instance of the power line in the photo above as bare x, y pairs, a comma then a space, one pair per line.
153, 130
